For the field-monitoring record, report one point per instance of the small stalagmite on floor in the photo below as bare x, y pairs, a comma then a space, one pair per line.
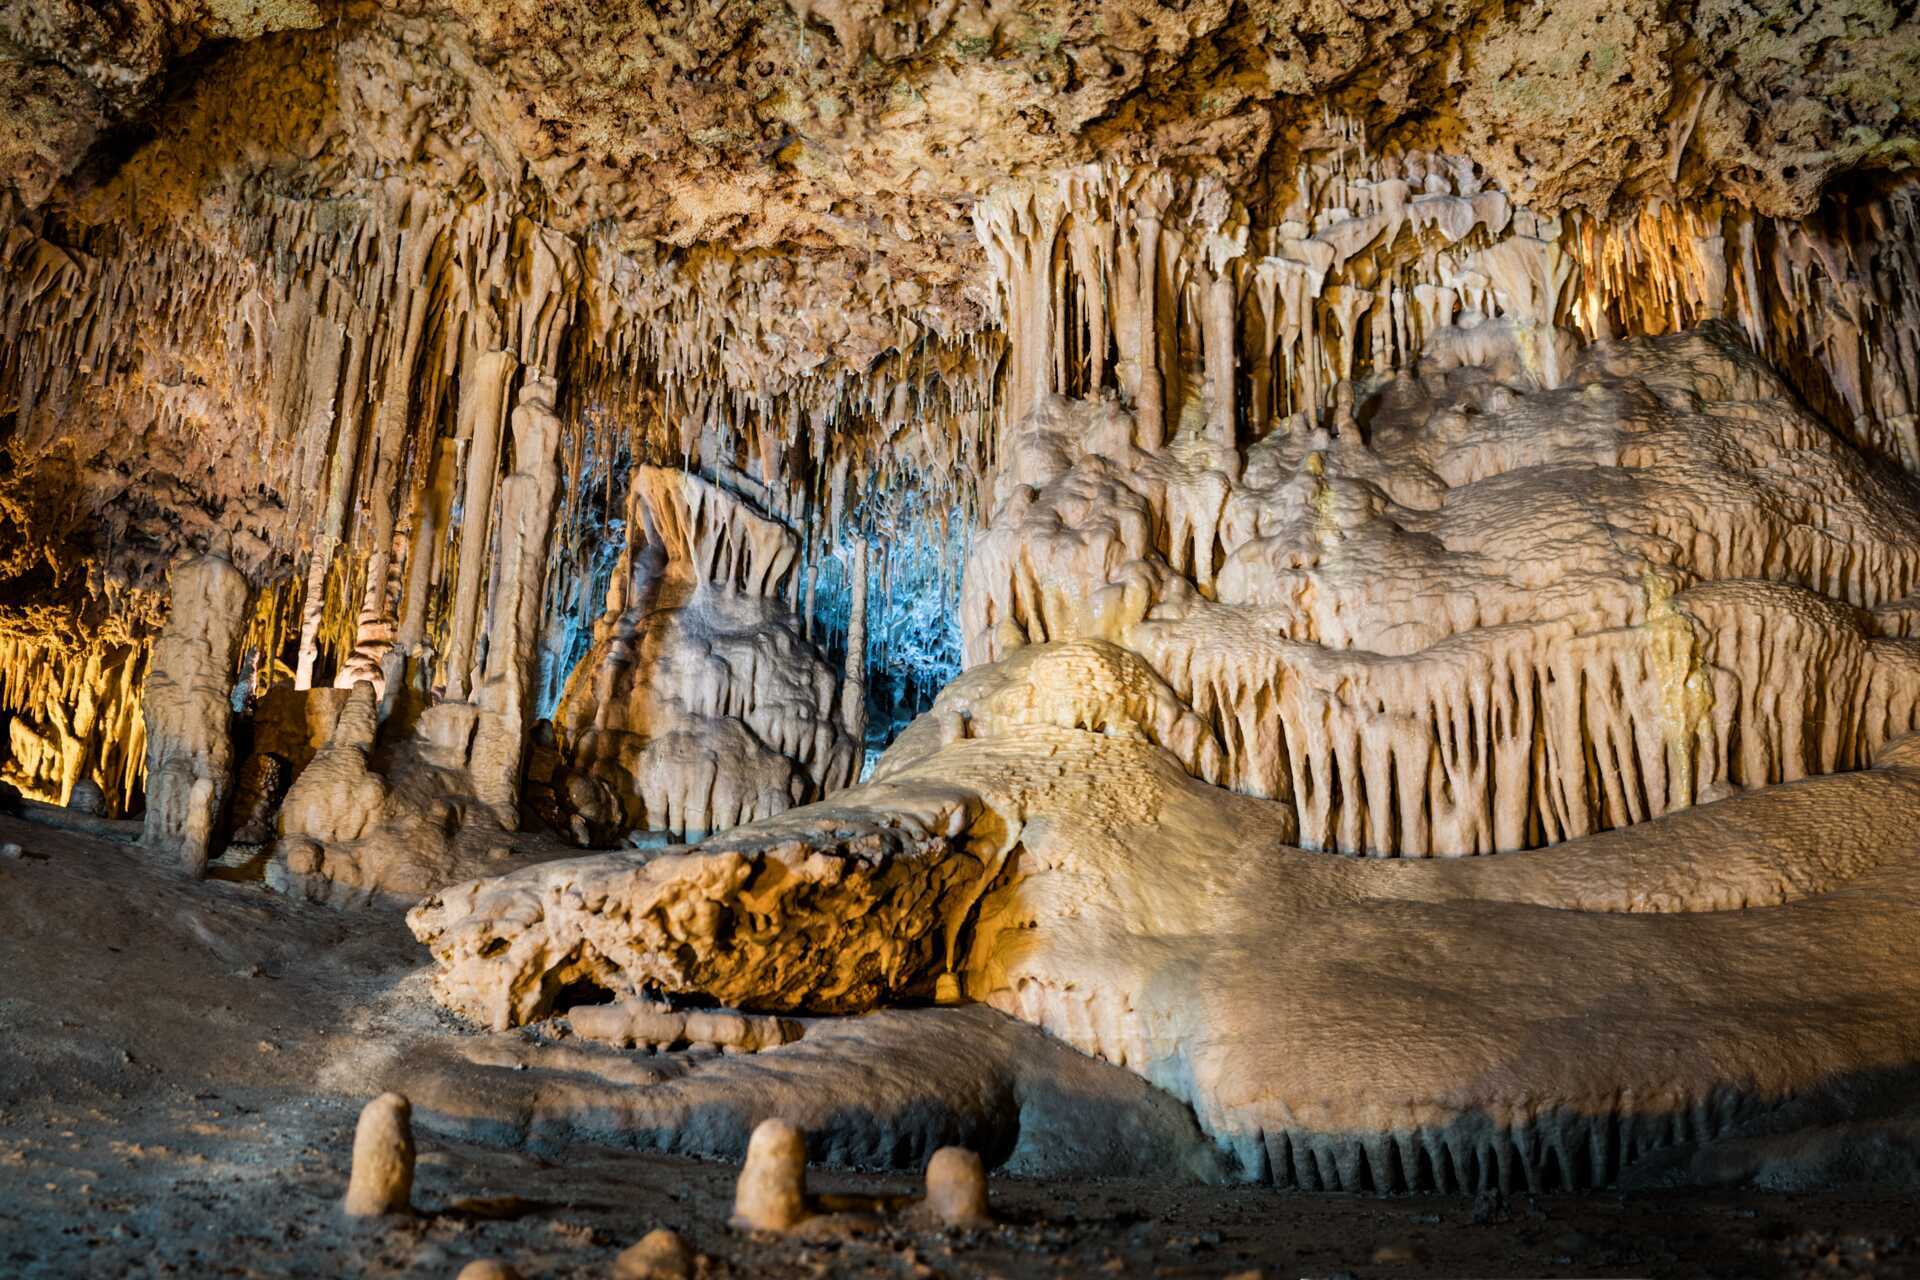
957, 1188
772, 1192
382, 1181
660, 1255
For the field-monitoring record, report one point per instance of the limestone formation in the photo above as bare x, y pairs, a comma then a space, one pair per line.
957, 1188
861, 884
660, 1255
772, 1192
700, 705
258, 789
1506, 617
659, 1026
488, 1269
382, 1179
1359, 562
88, 798
188, 706
356, 828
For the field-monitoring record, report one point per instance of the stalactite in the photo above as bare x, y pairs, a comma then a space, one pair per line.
332, 354
483, 415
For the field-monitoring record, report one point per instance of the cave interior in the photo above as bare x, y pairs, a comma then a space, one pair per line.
950, 637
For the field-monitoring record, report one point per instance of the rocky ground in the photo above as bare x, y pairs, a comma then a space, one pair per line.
181, 1064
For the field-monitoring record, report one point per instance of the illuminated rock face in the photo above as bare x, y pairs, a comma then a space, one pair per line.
700, 704
1493, 617
826, 908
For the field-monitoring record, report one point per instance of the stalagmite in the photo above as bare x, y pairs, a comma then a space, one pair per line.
659, 1255
338, 797
488, 1269
505, 693
329, 471
1146, 347
699, 704
432, 512
188, 704
772, 1190
382, 1179
957, 1188
87, 798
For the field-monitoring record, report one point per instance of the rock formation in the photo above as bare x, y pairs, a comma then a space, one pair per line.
772, 1194
382, 1181
700, 705
662, 1027
957, 1188
659, 1255
1499, 616
188, 703
1190, 444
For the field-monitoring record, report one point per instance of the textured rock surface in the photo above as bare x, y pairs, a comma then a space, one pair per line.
1662, 537
383, 1156
1505, 1021
1495, 619
763, 117
1375, 429
188, 706
700, 704
305, 296
829, 910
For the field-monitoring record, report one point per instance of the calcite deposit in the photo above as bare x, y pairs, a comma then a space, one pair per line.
1511, 611
700, 703
188, 703
1334, 589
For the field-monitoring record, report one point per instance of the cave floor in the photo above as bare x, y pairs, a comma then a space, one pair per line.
177, 1097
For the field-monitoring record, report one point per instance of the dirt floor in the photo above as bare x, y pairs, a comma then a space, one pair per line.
181, 1064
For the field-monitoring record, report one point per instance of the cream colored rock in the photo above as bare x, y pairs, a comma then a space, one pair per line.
700, 704
351, 836
504, 692
1281, 991
188, 706
771, 1194
338, 797
659, 1255
1582, 618
382, 1179
633, 1022
1090, 684
1508, 619
957, 1188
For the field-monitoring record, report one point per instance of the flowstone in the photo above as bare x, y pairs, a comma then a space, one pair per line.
1498, 618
